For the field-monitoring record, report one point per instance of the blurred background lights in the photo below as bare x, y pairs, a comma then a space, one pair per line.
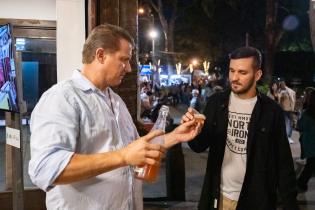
290, 23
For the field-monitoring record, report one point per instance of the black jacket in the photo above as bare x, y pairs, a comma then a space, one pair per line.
269, 166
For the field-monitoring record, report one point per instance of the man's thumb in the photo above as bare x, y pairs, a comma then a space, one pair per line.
152, 135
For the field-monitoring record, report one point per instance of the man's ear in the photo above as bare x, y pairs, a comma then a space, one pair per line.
258, 74
100, 55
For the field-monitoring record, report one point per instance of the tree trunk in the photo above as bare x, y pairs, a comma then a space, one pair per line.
168, 26
311, 13
128, 90
165, 27
124, 14
273, 36
170, 42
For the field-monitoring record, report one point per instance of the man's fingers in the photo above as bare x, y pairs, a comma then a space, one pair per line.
187, 116
156, 147
152, 135
154, 154
189, 123
199, 127
151, 161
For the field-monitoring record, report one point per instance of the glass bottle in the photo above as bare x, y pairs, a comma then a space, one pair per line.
149, 172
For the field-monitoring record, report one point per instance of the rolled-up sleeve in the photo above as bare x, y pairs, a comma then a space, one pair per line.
54, 131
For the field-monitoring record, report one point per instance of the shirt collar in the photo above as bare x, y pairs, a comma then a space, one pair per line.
82, 82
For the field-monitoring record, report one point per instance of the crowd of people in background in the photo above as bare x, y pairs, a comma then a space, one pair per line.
190, 95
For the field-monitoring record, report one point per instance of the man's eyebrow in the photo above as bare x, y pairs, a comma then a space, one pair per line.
126, 56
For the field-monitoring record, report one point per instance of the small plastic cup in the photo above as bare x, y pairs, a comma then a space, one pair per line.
200, 118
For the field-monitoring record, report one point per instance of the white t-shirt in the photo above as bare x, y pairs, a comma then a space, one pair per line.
234, 161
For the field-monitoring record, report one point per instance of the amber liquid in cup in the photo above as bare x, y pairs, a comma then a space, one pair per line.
199, 118
148, 173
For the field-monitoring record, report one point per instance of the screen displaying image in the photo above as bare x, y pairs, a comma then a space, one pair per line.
8, 96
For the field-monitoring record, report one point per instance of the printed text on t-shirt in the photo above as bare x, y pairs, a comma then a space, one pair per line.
237, 132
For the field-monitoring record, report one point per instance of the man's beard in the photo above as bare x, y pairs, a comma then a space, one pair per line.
244, 89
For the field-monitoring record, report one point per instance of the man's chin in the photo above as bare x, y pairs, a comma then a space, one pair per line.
236, 91
239, 91
115, 84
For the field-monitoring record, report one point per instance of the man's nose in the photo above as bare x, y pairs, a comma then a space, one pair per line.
235, 77
128, 67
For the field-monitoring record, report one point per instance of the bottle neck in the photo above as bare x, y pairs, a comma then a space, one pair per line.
160, 123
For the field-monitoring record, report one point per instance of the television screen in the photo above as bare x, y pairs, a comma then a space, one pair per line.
8, 94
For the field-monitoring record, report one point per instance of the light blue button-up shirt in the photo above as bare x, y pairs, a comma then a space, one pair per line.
76, 117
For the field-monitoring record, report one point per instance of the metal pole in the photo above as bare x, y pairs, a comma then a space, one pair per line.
155, 67
153, 51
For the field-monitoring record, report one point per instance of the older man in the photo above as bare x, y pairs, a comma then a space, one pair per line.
83, 141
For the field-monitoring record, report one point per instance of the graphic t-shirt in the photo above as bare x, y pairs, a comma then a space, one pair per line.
234, 161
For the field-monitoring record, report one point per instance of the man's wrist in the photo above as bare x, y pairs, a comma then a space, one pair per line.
122, 157
170, 140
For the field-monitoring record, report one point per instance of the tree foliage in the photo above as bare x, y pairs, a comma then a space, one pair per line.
211, 29
219, 26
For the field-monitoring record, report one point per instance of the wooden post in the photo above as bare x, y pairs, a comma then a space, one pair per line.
14, 155
8, 158
14, 164
8, 167
91, 15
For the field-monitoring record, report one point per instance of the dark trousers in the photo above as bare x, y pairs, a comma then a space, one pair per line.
308, 171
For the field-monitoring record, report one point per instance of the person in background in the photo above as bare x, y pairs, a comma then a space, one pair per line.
145, 102
217, 89
287, 102
305, 103
186, 94
306, 98
84, 143
195, 100
249, 158
306, 126
206, 91
273, 91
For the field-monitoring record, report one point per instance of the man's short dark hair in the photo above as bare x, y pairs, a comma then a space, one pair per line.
246, 52
104, 36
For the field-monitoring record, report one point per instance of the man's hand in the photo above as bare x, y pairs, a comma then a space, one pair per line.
193, 115
187, 131
183, 133
141, 152
189, 115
